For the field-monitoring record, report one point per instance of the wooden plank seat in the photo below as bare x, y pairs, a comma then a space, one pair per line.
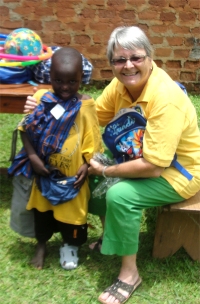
13, 96
178, 225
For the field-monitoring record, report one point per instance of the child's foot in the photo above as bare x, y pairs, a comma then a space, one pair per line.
38, 259
96, 246
69, 256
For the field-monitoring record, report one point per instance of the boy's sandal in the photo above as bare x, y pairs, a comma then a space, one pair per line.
113, 290
68, 257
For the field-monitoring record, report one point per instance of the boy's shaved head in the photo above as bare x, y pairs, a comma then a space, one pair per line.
67, 56
66, 72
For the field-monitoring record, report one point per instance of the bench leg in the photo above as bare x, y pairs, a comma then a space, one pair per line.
175, 230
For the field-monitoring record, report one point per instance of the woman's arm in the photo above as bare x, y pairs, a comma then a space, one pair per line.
139, 168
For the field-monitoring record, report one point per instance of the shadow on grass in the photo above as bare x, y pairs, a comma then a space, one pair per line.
6, 189
22, 250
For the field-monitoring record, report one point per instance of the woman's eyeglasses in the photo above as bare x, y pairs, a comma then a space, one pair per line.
133, 59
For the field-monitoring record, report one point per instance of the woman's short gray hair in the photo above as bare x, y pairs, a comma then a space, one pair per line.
128, 37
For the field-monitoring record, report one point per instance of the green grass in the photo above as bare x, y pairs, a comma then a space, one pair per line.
168, 281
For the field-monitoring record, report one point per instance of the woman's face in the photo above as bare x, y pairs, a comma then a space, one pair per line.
133, 74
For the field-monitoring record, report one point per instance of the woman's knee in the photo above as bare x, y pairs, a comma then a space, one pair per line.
114, 196
122, 196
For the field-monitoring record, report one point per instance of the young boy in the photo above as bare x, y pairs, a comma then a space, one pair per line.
49, 142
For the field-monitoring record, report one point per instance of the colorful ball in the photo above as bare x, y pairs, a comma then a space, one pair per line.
23, 42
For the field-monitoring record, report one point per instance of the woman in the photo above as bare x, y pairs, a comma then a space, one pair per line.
149, 181
171, 128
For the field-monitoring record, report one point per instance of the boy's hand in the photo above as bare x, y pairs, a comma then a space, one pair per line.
38, 166
81, 176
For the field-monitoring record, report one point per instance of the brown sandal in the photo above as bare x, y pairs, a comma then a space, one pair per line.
113, 290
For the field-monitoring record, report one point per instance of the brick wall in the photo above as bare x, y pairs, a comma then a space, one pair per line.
172, 26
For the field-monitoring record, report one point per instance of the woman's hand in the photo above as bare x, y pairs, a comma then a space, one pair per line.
30, 104
95, 168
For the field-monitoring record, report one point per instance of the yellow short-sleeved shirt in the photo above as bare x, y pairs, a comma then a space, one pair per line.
171, 126
83, 141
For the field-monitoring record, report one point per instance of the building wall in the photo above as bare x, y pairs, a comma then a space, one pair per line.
172, 26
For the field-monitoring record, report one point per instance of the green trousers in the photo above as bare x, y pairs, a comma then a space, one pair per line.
124, 204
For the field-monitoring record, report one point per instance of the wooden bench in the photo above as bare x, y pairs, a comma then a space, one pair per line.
13, 96
178, 225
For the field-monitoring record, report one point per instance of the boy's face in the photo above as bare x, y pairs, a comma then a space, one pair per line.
65, 80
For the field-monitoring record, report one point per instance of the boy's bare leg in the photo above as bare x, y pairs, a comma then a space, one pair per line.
38, 259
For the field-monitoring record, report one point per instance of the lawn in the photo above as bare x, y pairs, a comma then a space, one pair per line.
172, 280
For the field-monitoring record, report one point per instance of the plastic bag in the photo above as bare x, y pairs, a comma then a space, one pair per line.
106, 183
